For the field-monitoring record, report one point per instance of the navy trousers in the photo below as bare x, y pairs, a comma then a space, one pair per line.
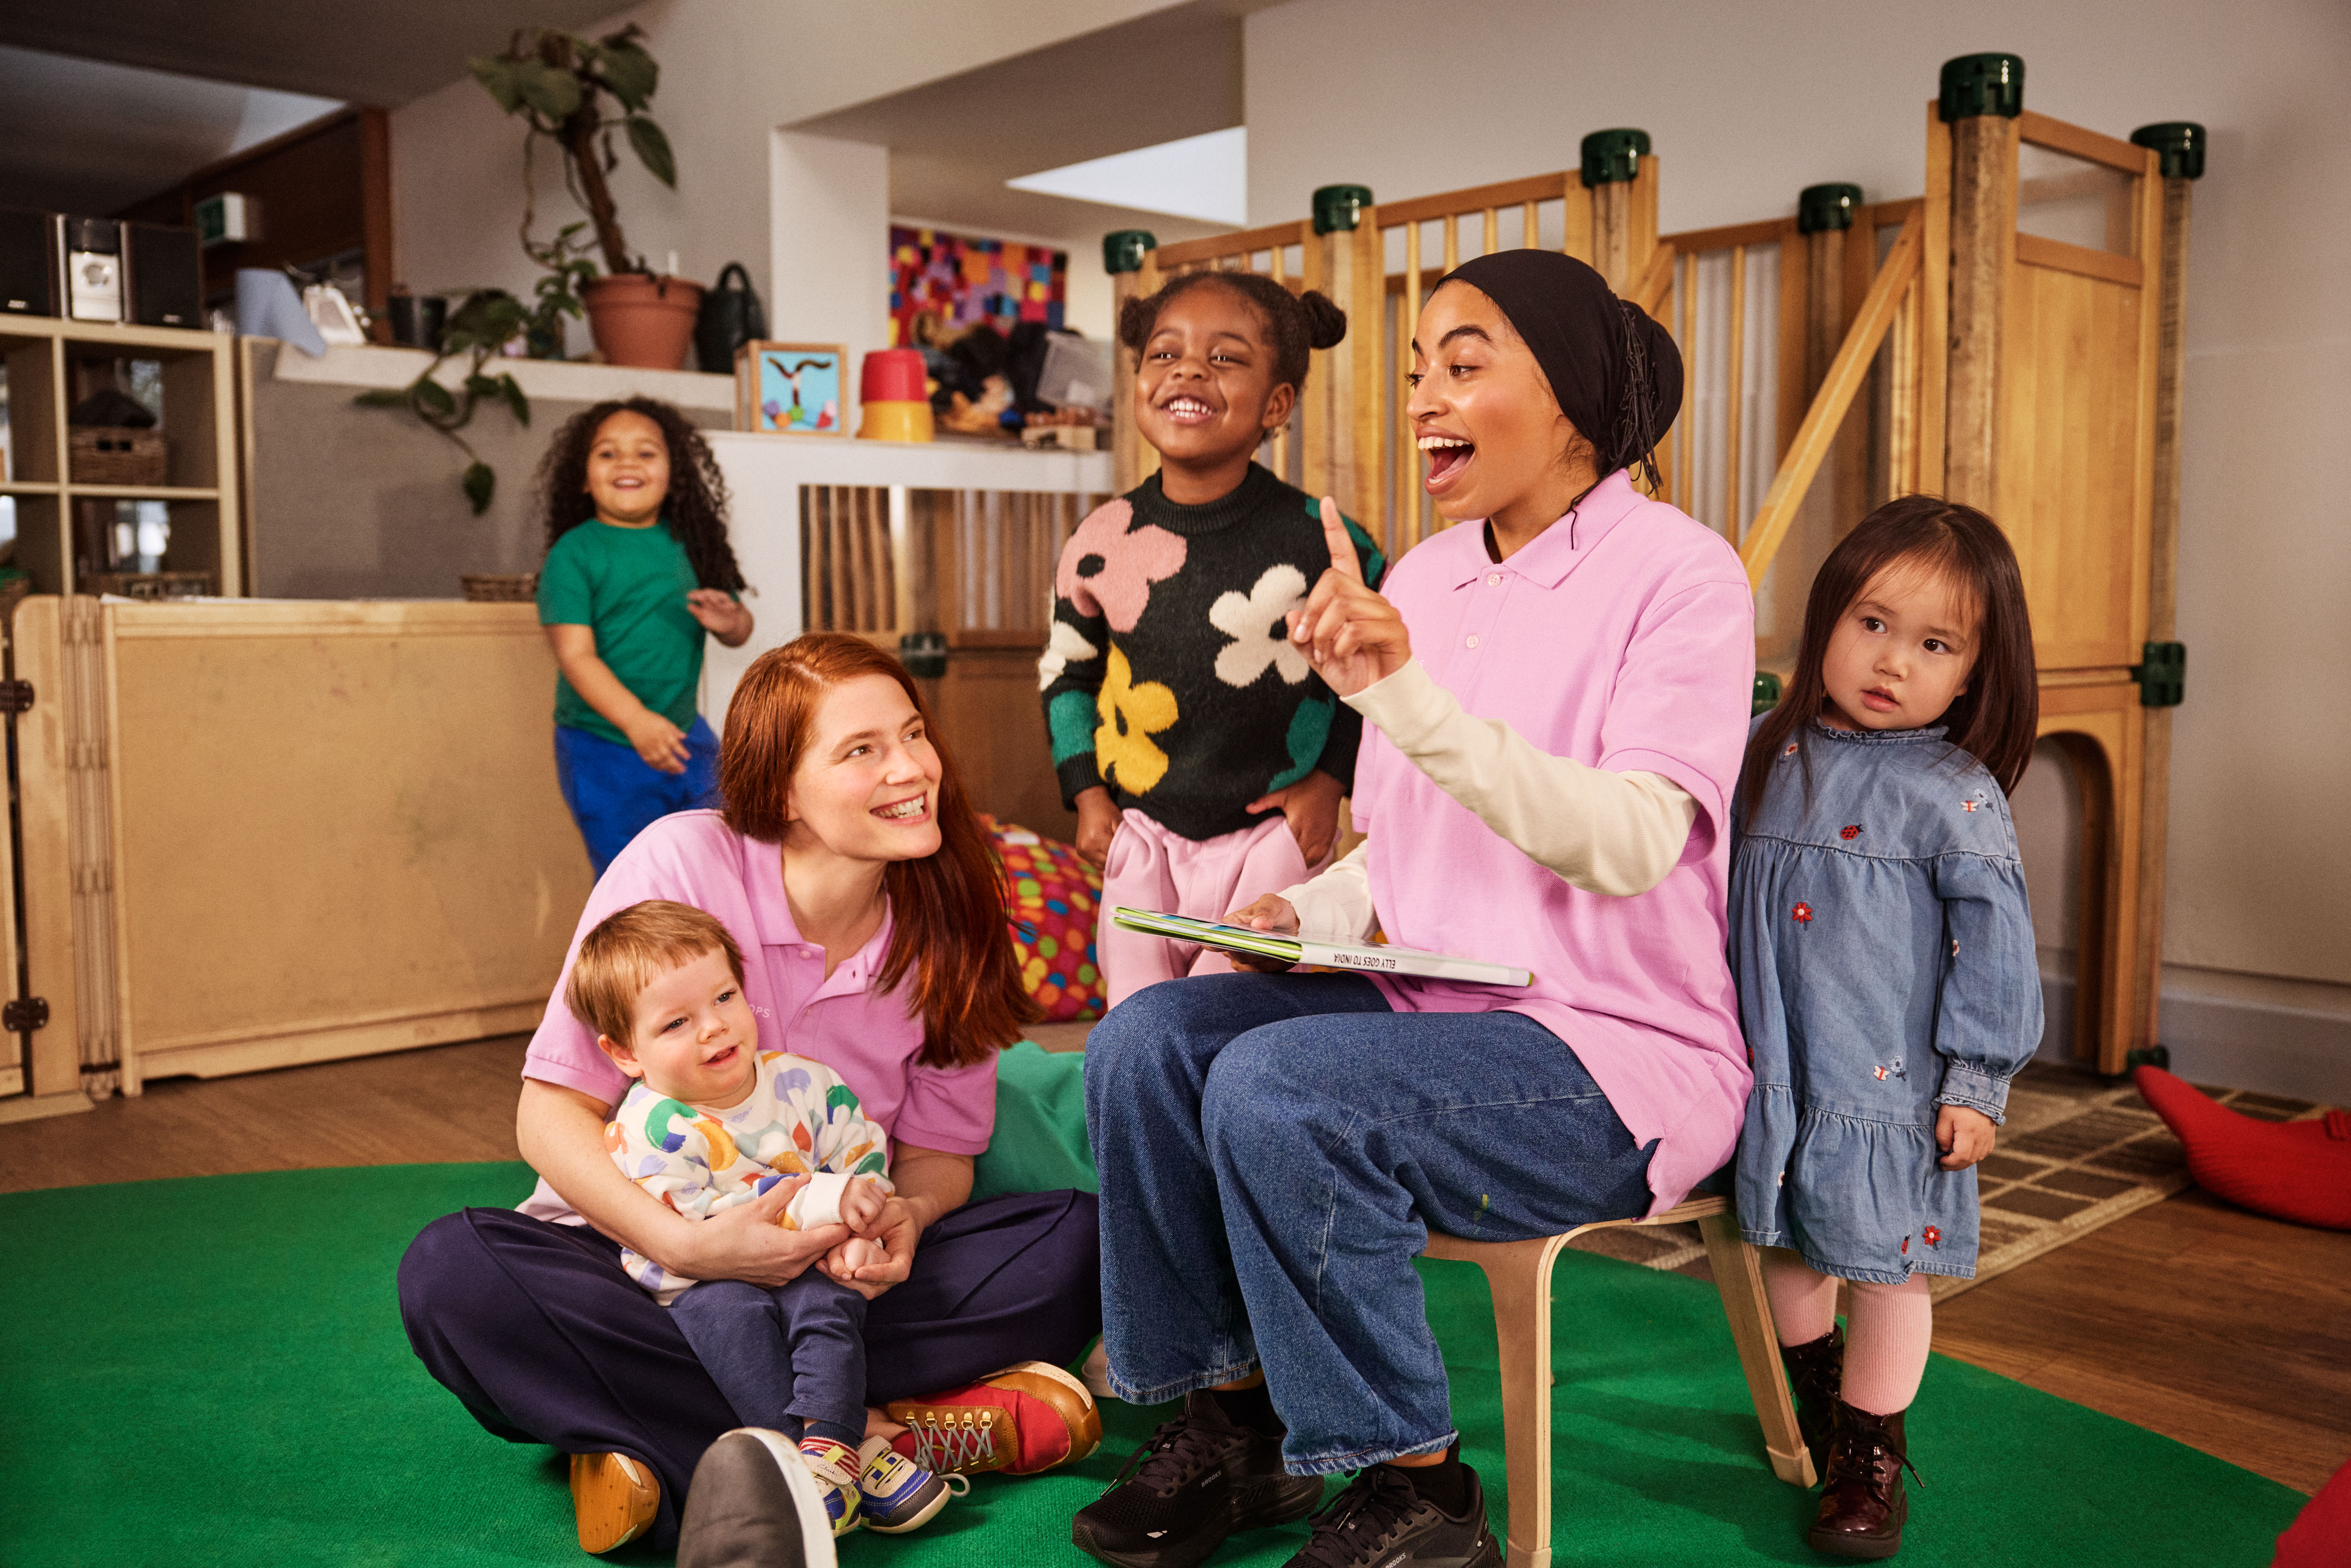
537, 1329
791, 1359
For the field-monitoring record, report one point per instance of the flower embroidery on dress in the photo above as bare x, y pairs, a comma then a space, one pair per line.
1850, 831
1906, 1246
1803, 913
1968, 805
1108, 566
1791, 750
1132, 712
1893, 1070
1955, 947
1931, 1236
1260, 636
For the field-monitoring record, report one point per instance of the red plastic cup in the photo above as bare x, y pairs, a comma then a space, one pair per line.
892, 376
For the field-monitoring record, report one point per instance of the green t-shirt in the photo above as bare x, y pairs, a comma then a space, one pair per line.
629, 587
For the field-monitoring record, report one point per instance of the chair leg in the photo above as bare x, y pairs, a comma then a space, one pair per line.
1739, 1275
1519, 1275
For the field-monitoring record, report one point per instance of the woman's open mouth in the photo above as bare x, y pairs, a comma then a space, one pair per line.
1447, 456
915, 808
1186, 410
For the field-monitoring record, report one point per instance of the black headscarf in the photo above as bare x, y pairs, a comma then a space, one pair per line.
1614, 370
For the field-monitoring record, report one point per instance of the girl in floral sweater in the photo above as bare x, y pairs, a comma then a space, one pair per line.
1183, 719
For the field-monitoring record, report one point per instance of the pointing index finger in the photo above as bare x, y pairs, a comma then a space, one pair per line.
1343, 546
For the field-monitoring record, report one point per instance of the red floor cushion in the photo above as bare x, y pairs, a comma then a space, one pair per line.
1050, 897
2320, 1536
2289, 1171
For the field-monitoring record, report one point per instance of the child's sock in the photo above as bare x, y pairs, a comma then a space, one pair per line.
1888, 1329
1251, 1407
1804, 1300
1444, 1483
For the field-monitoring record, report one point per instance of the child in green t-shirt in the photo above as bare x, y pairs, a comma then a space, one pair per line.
637, 568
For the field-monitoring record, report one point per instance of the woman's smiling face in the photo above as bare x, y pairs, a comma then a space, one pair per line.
1482, 412
1204, 387
627, 470
867, 786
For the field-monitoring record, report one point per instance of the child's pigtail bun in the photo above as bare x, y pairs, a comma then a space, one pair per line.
1135, 320
1326, 324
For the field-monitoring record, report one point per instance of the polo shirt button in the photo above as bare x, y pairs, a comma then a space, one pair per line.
1473, 642
1494, 578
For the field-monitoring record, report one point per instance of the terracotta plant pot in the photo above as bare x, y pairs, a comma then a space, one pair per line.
641, 321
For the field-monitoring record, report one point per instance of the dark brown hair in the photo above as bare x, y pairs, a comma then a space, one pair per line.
627, 949
1295, 323
695, 509
946, 909
1995, 719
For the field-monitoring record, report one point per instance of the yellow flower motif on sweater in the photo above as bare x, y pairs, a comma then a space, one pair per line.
1132, 712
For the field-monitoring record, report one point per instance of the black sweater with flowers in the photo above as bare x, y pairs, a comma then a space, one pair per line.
1170, 678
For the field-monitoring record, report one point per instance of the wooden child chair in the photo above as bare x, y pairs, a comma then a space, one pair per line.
1519, 1276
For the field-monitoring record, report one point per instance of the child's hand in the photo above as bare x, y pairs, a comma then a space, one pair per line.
1964, 1135
1271, 913
720, 615
1098, 819
660, 743
860, 1205
1312, 806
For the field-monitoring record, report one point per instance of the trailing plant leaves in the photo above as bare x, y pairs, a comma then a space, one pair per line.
432, 399
517, 404
383, 397
630, 74
480, 483
652, 149
550, 89
497, 74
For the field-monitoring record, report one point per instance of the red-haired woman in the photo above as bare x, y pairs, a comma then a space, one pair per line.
849, 867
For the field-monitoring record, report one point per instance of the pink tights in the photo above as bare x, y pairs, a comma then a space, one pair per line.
1887, 1327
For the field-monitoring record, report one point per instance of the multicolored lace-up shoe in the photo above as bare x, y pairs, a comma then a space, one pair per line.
898, 1494
1029, 1417
834, 1466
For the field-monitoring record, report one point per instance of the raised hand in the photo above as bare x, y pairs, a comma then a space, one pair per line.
1351, 635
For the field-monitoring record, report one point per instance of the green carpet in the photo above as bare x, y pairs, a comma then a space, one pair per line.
212, 1371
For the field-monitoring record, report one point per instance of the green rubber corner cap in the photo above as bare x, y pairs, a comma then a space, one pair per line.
1821, 208
1339, 208
1613, 157
2181, 144
1982, 84
1124, 249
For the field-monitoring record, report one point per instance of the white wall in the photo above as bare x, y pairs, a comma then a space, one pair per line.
1749, 103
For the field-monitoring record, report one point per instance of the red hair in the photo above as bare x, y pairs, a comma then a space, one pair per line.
946, 909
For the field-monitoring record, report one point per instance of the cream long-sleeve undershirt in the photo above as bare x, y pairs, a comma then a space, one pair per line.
1611, 833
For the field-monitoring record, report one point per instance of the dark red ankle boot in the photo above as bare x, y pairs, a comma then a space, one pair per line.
1814, 1369
1861, 1501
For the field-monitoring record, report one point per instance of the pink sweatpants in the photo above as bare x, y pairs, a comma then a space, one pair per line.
1887, 1328
1149, 867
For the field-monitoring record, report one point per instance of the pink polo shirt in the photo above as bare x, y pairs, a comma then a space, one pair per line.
869, 1037
1623, 638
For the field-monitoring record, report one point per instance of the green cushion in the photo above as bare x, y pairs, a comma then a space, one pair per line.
1041, 1126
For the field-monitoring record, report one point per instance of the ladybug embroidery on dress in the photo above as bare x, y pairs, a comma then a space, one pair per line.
1931, 1236
1803, 913
1906, 1246
1850, 832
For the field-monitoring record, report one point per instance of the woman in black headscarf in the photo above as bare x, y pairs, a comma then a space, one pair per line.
1559, 695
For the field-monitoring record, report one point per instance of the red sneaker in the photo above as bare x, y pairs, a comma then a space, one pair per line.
1021, 1420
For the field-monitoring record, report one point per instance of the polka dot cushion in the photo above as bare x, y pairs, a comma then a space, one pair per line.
1051, 895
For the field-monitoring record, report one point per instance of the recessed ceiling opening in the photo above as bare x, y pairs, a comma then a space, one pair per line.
1202, 176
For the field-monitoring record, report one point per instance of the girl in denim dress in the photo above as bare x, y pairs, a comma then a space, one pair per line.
1888, 986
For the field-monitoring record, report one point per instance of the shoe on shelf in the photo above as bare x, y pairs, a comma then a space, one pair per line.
614, 1499
897, 1494
1028, 1417
1863, 1505
1200, 1478
1816, 1373
1381, 1520
753, 1504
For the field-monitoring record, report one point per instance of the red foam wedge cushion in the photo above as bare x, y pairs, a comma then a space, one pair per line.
2289, 1171
2320, 1535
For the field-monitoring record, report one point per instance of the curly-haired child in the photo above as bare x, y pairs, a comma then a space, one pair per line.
1180, 712
638, 569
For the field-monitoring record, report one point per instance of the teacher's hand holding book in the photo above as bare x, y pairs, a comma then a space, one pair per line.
1351, 635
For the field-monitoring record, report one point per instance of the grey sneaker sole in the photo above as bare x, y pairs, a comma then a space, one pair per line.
753, 1504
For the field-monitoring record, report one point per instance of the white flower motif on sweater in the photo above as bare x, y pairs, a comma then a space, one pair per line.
1254, 622
1066, 647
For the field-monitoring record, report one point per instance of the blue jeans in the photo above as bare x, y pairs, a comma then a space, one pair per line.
614, 795
791, 1359
1274, 1151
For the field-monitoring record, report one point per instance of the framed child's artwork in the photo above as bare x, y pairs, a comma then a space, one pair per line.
791, 388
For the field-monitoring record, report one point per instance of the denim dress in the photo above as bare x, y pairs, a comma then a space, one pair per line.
1883, 949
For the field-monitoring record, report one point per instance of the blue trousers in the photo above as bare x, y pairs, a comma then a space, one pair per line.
791, 1359
1274, 1151
614, 795
538, 1332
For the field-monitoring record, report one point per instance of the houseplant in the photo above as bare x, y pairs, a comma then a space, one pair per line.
584, 95
480, 327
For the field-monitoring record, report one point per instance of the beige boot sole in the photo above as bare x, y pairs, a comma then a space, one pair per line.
614, 1499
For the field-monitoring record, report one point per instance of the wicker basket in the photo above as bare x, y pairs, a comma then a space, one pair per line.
148, 584
105, 455
488, 588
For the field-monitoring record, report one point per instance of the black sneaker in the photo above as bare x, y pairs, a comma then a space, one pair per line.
1380, 1519
1199, 1480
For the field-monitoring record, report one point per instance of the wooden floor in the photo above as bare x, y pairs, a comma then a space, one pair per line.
2228, 1332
